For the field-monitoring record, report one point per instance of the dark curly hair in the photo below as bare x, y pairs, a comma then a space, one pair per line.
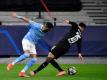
82, 25
49, 24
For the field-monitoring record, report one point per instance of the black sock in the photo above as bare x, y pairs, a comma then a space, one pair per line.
42, 66
56, 65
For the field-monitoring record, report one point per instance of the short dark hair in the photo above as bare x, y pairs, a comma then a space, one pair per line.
49, 24
82, 25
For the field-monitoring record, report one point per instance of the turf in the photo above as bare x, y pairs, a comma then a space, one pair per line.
84, 72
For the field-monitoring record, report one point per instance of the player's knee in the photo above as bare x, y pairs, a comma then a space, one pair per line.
33, 55
49, 59
51, 55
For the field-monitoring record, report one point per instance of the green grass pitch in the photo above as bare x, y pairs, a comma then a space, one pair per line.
84, 72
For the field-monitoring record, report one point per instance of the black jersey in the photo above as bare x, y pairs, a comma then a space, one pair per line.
72, 31
74, 35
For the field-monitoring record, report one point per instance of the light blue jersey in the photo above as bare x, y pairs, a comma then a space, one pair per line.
35, 32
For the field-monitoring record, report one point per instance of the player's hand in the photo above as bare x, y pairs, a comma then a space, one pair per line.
13, 14
66, 21
81, 57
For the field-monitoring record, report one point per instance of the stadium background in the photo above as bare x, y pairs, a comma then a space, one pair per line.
92, 12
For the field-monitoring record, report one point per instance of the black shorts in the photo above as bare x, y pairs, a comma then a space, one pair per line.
60, 49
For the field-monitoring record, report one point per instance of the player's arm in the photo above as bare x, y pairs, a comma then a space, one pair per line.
79, 43
13, 14
67, 21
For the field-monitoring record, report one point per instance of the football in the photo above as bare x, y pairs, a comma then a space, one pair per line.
72, 70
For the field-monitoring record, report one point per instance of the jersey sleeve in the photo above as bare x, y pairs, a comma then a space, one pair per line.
79, 45
73, 24
30, 22
35, 24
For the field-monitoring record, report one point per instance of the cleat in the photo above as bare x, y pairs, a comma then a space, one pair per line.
61, 73
32, 73
22, 74
9, 67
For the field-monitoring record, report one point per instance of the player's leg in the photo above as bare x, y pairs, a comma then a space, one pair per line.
58, 50
31, 62
55, 51
43, 65
22, 57
56, 65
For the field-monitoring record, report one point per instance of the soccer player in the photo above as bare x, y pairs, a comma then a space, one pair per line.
73, 36
35, 33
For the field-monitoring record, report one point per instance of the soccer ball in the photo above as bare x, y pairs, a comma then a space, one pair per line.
72, 70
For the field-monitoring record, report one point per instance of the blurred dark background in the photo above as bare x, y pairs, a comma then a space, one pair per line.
35, 5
